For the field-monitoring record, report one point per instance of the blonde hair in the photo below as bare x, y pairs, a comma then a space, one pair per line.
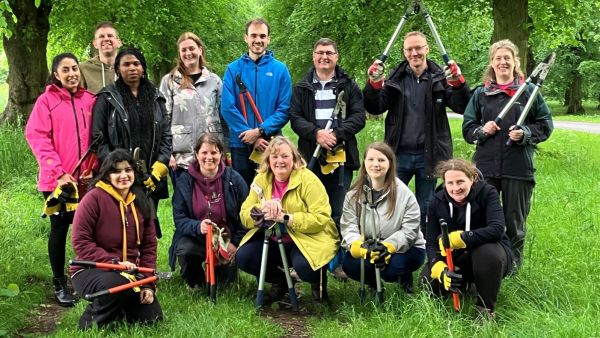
489, 74
186, 79
273, 148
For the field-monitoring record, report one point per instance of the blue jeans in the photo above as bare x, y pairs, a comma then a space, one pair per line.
240, 161
409, 165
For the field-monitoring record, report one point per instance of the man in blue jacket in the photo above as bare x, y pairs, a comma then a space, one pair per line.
269, 83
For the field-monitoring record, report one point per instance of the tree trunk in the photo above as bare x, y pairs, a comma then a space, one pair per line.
575, 95
26, 54
511, 21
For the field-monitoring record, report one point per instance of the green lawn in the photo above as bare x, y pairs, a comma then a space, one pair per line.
555, 294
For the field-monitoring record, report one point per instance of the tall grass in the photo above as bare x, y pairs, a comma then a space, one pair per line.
555, 293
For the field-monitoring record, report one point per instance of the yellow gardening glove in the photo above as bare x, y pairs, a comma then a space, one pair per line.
159, 170
451, 281
382, 253
456, 242
357, 250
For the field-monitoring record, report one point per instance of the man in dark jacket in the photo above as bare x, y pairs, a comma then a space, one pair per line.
416, 95
313, 102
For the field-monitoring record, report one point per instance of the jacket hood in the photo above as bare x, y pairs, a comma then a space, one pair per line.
194, 170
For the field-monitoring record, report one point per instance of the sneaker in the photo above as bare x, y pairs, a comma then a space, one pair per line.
63, 295
339, 274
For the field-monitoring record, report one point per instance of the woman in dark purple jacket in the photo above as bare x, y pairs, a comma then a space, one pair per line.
114, 224
209, 192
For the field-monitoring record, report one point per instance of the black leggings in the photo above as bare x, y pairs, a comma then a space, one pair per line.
485, 266
57, 240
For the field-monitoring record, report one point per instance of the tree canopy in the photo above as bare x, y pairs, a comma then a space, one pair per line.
361, 28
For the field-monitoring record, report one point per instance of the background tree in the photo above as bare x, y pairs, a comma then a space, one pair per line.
25, 37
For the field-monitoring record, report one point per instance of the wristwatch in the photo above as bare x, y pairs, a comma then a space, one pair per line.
261, 131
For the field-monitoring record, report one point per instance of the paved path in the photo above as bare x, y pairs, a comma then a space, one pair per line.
588, 127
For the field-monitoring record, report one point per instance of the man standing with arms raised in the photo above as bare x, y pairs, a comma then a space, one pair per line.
99, 71
416, 95
269, 83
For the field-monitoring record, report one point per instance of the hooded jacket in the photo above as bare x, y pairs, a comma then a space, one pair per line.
390, 98
193, 111
270, 86
351, 121
313, 230
59, 132
402, 229
96, 75
487, 220
235, 191
103, 219
493, 157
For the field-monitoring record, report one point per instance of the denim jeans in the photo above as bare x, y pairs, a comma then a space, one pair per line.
409, 165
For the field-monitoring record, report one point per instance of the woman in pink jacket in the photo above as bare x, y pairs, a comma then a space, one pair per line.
59, 133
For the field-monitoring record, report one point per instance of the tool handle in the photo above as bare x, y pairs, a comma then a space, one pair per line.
120, 288
98, 265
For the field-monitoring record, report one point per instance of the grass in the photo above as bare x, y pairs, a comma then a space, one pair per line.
555, 293
592, 113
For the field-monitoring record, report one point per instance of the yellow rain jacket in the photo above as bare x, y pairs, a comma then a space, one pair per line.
313, 230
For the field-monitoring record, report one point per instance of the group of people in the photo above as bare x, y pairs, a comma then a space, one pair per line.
232, 171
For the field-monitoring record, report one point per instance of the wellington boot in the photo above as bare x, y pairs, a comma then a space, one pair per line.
63, 295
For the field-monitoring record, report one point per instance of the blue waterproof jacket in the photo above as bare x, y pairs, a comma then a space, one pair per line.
270, 85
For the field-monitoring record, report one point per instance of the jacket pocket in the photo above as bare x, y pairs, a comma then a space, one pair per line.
182, 138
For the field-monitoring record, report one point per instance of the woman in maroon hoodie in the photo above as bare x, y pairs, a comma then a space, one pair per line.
114, 224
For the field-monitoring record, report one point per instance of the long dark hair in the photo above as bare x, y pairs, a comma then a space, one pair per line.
54, 69
109, 166
389, 185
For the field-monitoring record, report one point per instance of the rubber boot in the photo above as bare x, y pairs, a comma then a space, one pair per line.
63, 296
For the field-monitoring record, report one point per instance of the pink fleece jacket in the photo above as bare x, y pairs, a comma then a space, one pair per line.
59, 132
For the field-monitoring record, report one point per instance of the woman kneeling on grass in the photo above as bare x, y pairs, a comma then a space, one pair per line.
285, 187
114, 223
390, 238
207, 193
480, 248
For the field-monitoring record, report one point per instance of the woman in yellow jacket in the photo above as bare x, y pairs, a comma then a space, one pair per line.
284, 186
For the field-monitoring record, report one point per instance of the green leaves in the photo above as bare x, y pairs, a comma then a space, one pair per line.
10, 291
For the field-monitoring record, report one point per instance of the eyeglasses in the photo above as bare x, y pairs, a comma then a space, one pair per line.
417, 49
328, 53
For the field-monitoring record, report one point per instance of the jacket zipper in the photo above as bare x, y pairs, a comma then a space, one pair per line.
83, 118
77, 128
256, 90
